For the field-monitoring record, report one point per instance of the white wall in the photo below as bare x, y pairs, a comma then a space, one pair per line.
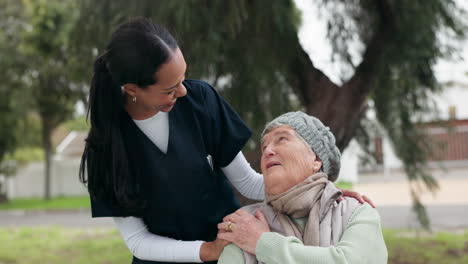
349, 163
29, 180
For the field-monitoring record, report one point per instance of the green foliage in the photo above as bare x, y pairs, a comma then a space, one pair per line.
420, 211
52, 204
26, 154
344, 185
78, 124
50, 22
11, 63
46, 46
29, 130
34, 38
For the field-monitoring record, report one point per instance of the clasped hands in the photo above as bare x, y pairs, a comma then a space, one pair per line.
243, 229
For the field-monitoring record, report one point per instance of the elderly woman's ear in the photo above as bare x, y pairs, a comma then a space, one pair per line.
317, 165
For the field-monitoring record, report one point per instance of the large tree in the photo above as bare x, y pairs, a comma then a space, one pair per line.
251, 52
46, 47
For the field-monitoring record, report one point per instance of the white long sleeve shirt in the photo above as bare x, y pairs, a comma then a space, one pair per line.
148, 246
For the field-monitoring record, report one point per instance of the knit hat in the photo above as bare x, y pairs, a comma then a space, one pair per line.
317, 135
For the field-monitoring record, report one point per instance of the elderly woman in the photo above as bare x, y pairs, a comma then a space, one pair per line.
300, 220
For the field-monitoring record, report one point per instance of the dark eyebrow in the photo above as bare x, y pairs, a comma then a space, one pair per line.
172, 87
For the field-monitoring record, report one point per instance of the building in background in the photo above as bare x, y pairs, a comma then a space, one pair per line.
448, 141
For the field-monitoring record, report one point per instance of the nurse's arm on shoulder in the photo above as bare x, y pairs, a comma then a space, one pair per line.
147, 246
245, 179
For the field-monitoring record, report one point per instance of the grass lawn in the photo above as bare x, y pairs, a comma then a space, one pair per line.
441, 248
40, 204
55, 245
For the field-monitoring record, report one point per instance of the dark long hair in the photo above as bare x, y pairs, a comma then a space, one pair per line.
134, 54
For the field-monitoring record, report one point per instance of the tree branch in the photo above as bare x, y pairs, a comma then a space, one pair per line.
372, 62
306, 79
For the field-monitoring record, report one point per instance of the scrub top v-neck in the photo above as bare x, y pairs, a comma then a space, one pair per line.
156, 128
185, 191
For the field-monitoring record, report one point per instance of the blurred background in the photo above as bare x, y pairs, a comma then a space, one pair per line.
388, 77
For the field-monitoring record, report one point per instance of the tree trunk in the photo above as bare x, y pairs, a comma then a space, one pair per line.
47, 145
340, 107
3, 197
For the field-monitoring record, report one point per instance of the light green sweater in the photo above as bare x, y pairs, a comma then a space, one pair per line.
362, 242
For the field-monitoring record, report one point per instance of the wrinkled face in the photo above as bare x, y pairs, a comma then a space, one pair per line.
163, 95
286, 160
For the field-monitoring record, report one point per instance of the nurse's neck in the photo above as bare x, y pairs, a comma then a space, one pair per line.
138, 112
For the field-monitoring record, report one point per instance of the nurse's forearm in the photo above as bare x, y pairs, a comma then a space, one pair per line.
147, 246
210, 251
245, 179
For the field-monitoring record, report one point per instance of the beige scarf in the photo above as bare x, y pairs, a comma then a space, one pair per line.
300, 201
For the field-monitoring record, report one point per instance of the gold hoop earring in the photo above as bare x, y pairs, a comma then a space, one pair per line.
134, 99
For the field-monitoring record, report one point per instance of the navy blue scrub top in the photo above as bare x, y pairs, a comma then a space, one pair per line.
186, 192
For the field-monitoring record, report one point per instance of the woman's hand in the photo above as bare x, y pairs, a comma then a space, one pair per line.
243, 229
210, 251
357, 196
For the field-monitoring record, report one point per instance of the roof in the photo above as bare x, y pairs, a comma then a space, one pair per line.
72, 146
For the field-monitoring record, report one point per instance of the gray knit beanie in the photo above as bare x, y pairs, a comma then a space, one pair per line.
317, 135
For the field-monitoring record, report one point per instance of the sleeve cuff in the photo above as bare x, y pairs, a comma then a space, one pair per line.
196, 250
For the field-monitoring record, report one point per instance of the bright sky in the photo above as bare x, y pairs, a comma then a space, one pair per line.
312, 35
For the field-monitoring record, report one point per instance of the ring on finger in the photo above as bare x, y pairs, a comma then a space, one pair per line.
229, 226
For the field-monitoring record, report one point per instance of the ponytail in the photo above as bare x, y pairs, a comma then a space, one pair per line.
105, 158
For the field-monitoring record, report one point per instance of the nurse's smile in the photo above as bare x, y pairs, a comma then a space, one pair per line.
167, 108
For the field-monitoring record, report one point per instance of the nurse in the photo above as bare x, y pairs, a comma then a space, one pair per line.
162, 149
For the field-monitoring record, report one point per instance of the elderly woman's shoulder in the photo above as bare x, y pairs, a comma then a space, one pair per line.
252, 207
267, 210
359, 212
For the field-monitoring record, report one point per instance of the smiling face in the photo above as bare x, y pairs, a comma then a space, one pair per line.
169, 87
162, 95
286, 160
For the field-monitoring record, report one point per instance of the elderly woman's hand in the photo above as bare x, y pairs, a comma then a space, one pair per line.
244, 229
